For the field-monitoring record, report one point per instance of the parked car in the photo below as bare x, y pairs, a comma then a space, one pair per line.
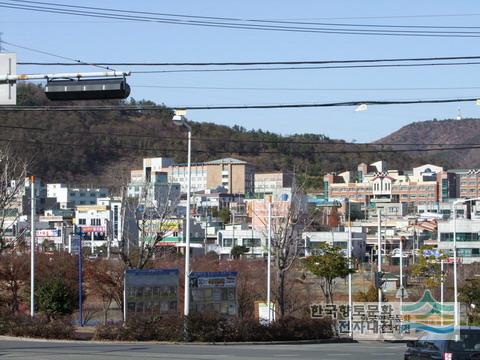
437, 347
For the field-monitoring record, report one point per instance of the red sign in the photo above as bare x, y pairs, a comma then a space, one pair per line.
88, 229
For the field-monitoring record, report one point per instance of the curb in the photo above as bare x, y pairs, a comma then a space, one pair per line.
116, 342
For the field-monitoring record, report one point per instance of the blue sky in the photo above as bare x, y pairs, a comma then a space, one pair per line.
104, 40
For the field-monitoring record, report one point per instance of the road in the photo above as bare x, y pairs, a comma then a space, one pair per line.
53, 350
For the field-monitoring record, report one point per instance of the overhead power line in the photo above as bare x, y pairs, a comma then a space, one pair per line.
250, 63
303, 68
282, 141
276, 21
77, 62
223, 151
235, 107
244, 24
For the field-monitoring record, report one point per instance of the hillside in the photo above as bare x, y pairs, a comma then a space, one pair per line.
99, 148
442, 132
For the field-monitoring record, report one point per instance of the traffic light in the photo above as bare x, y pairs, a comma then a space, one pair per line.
91, 89
379, 281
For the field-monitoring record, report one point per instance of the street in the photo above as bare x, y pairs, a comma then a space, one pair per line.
52, 350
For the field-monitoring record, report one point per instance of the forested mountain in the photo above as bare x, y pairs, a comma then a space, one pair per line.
443, 133
100, 147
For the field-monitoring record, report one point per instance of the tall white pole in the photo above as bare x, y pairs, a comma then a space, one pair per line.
32, 247
441, 289
455, 288
349, 250
186, 303
92, 245
269, 260
379, 265
401, 274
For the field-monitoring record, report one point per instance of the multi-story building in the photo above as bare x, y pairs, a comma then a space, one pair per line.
467, 239
99, 223
239, 235
337, 239
68, 197
269, 182
375, 183
236, 176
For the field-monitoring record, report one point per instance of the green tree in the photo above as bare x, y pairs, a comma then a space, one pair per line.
328, 266
55, 297
224, 214
469, 293
239, 250
428, 267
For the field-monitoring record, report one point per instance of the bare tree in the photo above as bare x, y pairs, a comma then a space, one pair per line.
12, 185
149, 217
289, 219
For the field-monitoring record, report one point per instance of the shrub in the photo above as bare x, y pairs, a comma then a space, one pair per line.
141, 328
38, 327
212, 328
55, 298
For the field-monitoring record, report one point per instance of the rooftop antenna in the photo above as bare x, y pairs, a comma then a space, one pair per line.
459, 114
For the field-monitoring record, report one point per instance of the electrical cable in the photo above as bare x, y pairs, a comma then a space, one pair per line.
78, 62
326, 142
301, 68
422, 33
342, 152
275, 21
250, 63
234, 107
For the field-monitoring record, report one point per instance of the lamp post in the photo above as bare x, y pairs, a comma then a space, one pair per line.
180, 120
349, 250
455, 281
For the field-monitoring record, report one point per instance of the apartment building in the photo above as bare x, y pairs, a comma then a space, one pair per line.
467, 239
376, 183
236, 176
270, 182
69, 197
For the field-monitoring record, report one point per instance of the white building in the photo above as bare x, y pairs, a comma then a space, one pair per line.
99, 224
467, 236
68, 197
338, 239
239, 235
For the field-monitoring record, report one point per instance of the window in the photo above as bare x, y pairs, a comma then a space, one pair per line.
92, 194
82, 194
82, 221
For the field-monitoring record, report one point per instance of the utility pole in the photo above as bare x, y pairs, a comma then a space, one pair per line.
269, 261
379, 266
350, 304
32, 247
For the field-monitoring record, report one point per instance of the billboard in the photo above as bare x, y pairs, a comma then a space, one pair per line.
151, 291
214, 292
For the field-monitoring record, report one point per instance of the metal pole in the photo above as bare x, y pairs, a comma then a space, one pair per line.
379, 265
92, 244
401, 274
186, 303
32, 247
350, 304
269, 260
7, 77
455, 288
441, 289
80, 284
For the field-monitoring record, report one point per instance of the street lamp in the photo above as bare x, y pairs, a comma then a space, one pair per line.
179, 119
455, 281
